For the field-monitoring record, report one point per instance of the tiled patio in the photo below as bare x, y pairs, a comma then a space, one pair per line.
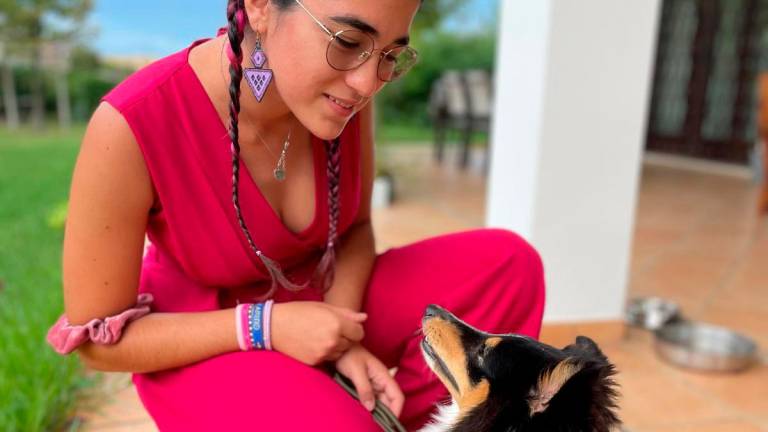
697, 242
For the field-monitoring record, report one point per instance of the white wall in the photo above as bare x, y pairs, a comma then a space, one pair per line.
573, 82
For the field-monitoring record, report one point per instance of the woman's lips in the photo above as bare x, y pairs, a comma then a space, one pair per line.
340, 109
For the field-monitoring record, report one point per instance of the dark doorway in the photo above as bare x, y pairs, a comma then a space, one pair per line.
709, 53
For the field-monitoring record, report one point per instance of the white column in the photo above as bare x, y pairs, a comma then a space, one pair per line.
572, 92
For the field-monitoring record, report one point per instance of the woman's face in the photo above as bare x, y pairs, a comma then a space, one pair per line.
296, 46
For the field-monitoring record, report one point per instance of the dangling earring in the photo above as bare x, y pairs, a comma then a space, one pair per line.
258, 78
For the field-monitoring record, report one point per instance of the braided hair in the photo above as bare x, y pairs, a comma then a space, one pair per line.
323, 276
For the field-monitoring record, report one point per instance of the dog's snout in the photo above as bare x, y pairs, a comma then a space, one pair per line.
431, 311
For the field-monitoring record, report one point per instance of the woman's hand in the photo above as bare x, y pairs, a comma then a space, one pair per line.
314, 332
371, 378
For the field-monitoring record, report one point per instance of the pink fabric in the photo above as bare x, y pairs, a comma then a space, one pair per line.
495, 284
199, 260
65, 338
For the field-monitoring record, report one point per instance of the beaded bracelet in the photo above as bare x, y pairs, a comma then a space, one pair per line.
253, 325
241, 324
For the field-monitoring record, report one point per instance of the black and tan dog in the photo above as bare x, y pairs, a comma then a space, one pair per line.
513, 383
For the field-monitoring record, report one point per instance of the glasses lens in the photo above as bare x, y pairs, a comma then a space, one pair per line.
397, 62
349, 49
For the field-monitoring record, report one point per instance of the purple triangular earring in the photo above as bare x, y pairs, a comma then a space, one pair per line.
257, 77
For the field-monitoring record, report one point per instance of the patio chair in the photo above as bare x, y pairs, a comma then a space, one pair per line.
460, 100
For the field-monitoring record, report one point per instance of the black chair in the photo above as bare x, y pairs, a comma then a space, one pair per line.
460, 100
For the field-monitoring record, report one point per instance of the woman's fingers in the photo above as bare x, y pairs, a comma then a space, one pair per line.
352, 330
396, 398
359, 377
386, 388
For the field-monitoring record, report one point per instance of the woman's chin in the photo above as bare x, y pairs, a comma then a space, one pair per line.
328, 130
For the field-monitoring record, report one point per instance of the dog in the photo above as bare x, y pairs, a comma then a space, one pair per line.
513, 383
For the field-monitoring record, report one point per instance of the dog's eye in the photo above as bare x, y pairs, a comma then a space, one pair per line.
482, 352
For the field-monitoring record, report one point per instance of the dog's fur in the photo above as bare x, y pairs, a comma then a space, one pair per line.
513, 383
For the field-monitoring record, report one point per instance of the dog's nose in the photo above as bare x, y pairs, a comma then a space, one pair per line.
431, 311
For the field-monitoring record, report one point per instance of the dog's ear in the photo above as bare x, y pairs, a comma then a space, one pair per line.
599, 372
549, 383
586, 345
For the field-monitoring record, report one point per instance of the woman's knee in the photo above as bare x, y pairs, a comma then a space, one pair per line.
518, 259
510, 247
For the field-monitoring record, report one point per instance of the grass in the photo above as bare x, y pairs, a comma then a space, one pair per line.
402, 134
38, 388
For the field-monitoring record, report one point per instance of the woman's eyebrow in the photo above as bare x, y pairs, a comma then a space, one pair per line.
367, 28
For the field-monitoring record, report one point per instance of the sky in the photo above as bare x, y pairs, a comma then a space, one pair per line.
157, 28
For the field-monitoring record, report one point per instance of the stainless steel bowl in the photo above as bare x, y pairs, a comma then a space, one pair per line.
704, 346
651, 312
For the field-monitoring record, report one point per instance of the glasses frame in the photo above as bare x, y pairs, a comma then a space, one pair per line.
366, 54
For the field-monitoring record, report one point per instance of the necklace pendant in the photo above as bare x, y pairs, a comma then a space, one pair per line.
279, 174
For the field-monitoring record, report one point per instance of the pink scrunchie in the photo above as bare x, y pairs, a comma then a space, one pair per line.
64, 338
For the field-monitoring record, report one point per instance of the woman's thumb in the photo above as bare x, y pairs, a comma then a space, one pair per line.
354, 315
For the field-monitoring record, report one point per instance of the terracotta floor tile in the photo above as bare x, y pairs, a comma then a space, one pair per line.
652, 400
115, 405
683, 276
710, 426
138, 426
745, 392
749, 283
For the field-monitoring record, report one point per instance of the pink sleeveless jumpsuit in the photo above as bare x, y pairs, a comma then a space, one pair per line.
198, 257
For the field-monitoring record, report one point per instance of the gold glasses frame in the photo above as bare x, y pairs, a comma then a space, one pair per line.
364, 55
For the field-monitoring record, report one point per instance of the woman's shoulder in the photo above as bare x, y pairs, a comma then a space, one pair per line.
146, 80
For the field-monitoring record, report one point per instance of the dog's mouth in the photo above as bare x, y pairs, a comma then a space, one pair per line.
428, 350
442, 368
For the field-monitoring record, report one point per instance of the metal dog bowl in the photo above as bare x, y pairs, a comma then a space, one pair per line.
705, 347
651, 313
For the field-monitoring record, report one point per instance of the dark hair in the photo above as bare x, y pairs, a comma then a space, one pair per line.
236, 20
284, 4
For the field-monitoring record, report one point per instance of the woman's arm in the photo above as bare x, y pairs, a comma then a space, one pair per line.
357, 251
110, 198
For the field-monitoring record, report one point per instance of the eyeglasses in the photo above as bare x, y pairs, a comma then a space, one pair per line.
349, 49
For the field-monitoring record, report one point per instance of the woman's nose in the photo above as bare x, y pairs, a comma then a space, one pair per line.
365, 79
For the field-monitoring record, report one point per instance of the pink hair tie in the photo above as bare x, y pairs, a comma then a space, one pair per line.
240, 19
65, 338
233, 58
268, 324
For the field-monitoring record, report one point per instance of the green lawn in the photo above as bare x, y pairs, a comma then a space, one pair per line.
395, 134
37, 386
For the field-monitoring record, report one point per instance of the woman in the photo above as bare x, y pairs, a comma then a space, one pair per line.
157, 158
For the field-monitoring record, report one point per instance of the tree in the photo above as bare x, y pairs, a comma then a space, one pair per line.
432, 13
28, 25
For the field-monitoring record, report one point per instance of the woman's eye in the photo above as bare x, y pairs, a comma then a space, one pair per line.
347, 44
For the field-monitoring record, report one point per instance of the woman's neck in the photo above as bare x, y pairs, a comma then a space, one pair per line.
271, 117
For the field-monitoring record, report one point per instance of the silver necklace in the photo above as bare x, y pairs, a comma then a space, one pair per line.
279, 172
